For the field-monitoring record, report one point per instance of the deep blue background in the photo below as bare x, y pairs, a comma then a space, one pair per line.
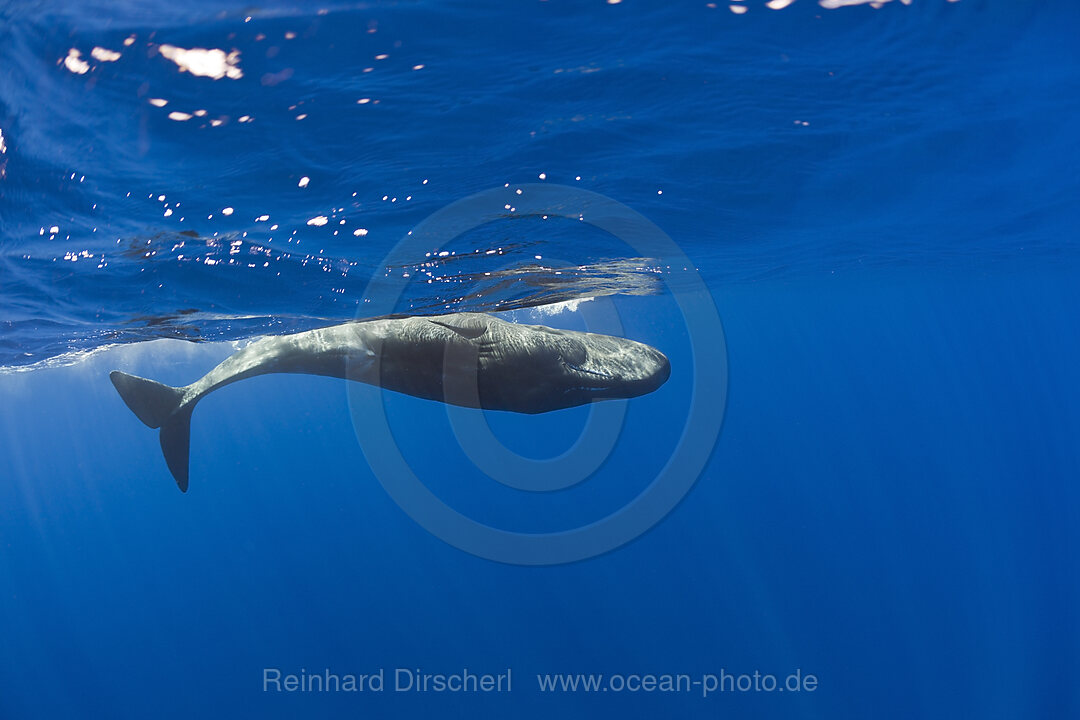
892, 504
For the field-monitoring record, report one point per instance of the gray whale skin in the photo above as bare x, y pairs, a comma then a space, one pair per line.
468, 359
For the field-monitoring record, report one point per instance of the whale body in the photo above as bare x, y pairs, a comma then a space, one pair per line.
469, 359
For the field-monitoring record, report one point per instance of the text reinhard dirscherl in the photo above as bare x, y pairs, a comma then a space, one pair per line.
400, 680
414, 680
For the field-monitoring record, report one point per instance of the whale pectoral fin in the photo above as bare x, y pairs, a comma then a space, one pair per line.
176, 445
466, 328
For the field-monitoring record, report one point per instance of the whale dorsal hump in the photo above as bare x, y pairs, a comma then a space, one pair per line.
470, 327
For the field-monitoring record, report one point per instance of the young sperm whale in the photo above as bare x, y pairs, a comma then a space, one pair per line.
468, 359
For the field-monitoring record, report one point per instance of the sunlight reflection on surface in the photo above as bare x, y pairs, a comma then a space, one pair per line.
75, 63
204, 63
104, 54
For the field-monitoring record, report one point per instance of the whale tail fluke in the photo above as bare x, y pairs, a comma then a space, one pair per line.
160, 406
176, 445
152, 402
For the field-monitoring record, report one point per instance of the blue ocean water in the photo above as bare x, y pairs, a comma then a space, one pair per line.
881, 203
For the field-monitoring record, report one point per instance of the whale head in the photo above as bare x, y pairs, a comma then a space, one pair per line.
564, 368
596, 366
